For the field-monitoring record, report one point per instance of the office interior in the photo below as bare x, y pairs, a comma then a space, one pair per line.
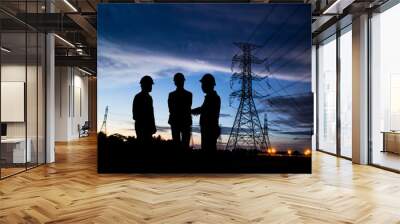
379, 87
48, 79
44, 99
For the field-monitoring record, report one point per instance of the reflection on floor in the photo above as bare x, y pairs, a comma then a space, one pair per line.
386, 159
10, 171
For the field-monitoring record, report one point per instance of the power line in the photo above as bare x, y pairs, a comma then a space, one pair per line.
296, 43
266, 17
283, 88
292, 95
282, 55
287, 62
298, 108
287, 86
273, 34
276, 49
277, 31
247, 131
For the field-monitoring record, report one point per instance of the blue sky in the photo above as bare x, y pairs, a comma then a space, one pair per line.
162, 39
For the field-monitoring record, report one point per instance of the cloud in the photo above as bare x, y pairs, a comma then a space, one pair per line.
121, 65
291, 115
163, 128
296, 132
224, 130
196, 129
159, 128
225, 115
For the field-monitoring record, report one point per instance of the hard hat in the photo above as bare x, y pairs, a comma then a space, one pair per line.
208, 78
179, 76
146, 79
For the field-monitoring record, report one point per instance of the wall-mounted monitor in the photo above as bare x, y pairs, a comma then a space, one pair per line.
12, 101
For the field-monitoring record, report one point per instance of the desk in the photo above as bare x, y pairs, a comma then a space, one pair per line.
391, 141
15, 148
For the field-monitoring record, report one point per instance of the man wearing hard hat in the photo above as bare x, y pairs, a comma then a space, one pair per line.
143, 112
209, 114
180, 118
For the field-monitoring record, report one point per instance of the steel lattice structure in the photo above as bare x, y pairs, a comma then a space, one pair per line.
247, 131
266, 130
104, 124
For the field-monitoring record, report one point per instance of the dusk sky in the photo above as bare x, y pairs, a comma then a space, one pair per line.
161, 39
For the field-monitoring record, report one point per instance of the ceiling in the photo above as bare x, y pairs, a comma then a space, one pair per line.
75, 21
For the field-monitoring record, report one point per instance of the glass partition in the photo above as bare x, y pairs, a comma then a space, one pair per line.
346, 93
41, 97
13, 94
327, 95
31, 98
22, 88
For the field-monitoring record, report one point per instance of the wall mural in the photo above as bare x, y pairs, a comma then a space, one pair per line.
204, 88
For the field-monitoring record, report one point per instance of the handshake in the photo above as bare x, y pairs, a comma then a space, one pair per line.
196, 111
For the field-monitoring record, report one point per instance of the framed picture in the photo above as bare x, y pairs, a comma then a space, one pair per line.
204, 88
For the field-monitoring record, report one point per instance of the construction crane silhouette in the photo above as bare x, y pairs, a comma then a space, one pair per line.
104, 124
247, 131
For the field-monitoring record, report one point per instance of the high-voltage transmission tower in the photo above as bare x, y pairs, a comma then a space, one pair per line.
247, 131
104, 124
266, 130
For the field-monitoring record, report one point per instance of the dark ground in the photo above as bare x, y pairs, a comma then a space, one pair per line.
119, 154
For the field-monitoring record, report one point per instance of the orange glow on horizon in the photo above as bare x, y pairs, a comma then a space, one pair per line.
271, 150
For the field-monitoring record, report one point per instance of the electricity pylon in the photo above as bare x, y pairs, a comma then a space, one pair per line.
266, 130
247, 131
104, 124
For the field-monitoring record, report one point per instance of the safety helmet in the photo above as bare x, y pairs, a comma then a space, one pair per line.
208, 79
146, 80
179, 77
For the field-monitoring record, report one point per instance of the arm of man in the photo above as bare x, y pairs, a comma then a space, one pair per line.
191, 99
169, 103
134, 115
196, 111
199, 110
218, 106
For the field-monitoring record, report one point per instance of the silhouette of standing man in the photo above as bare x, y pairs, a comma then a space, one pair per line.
209, 114
143, 112
180, 118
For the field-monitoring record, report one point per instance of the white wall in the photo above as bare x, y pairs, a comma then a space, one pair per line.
33, 126
80, 112
62, 82
16, 73
71, 102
